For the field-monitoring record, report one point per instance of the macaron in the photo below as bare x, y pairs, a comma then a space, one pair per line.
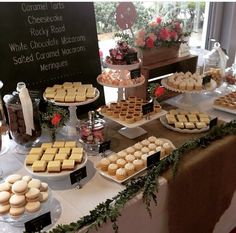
17, 200
27, 178
17, 211
32, 207
32, 193
34, 183
4, 209
43, 187
5, 187
20, 187
4, 197
43, 196
13, 178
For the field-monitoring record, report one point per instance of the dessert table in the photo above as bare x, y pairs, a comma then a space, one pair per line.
71, 203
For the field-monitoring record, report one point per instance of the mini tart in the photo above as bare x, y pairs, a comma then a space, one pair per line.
120, 162
138, 164
115, 114
139, 100
113, 105
138, 116
103, 109
129, 119
113, 158
121, 174
130, 150
129, 158
122, 116
157, 108
130, 169
112, 169
132, 98
109, 112
104, 163
122, 154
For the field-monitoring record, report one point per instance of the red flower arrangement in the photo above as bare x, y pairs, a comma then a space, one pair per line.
161, 33
56, 119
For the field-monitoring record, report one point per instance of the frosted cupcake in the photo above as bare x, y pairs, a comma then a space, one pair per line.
138, 164
145, 150
129, 158
144, 158
152, 146
130, 169
168, 148
159, 142
138, 154
145, 142
152, 139
138, 146
104, 163
121, 174
113, 158
120, 162
130, 150
122, 154
112, 169
151, 152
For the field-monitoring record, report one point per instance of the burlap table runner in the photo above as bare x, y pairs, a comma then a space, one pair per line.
203, 188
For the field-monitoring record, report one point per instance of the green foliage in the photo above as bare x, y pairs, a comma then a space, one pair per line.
110, 209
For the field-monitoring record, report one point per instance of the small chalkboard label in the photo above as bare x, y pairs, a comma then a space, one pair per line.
131, 58
206, 79
37, 224
147, 108
213, 122
105, 146
78, 175
135, 73
153, 159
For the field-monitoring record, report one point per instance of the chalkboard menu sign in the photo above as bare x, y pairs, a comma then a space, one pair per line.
43, 43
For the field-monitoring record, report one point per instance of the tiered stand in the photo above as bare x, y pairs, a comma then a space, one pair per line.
70, 128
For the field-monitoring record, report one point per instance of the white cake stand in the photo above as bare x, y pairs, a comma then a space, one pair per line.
122, 69
70, 127
186, 100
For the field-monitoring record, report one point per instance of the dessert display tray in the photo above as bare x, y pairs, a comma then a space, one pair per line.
137, 123
123, 67
224, 109
56, 175
20, 221
87, 101
122, 86
164, 122
113, 178
211, 88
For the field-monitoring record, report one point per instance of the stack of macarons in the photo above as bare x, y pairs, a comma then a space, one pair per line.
20, 194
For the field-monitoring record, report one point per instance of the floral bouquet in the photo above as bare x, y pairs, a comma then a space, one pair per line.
52, 117
161, 33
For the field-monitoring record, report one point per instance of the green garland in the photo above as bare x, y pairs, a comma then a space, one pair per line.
148, 185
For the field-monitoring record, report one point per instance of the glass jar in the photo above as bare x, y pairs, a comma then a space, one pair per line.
215, 63
92, 133
17, 124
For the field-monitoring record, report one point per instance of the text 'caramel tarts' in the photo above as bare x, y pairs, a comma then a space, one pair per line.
130, 161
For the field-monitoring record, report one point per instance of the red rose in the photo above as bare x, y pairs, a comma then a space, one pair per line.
159, 91
173, 35
150, 43
158, 20
164, 34
56, 119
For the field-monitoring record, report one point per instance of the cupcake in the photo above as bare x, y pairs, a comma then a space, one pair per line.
122, 154
129, 158
138, 146
145, 150
113, 158
144, 158
112, 169
121, 174
120, 162
104, 163
152, 139
138, 154
145, 142
138, 164
130, 150
159, 142
152, 146
130, 169
151, 152
168, 148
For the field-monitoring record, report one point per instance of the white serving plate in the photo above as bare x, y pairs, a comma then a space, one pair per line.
164, 122
87, 101
121, 86
20, 221
224, 109
211, 88
113, 178
56, 175
123, 67
137, 123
